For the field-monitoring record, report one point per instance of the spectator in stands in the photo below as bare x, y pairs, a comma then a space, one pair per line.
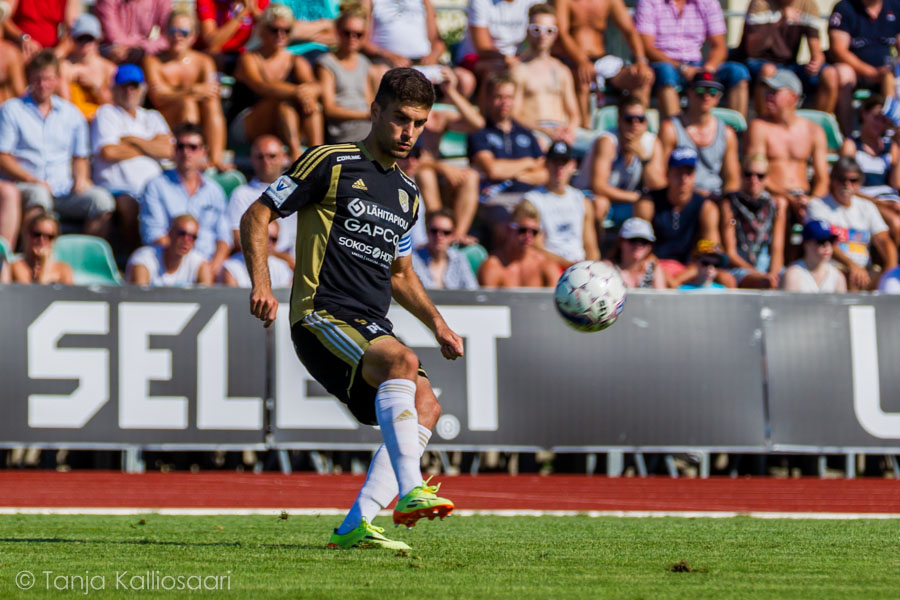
622, 162
566, 215
634, 258
402, 33
183, 190
545, 90
313, 27
863, 34
679, 216
276, 91
184, 87
582, 36
41, 25
87, 77
674, 32
174, 263
269, 160
133, 29
706, 261
225, 28
506, 154
878, 155
496, 28
37, 264
856, 223
44, 149
438, 264
235, 273
814, 272
348, 81
753, 228
456, 113
890, 282
716, 144
10, 213
128, 143
789, 142
517, 263
12, 67
5, 275
773, 32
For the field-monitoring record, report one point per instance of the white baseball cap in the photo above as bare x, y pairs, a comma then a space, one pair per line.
637, 228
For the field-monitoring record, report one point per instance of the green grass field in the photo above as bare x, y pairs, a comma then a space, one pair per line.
462, 557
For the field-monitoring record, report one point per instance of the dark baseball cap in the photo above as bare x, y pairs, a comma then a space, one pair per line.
705, 79
819, 231
559, 150
129, 74
683, 157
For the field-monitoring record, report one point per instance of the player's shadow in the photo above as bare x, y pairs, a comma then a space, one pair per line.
144, 542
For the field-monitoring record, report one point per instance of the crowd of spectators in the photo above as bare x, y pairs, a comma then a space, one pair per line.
117, 122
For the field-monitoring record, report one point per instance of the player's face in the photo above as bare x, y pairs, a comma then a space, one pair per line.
822, 249
682, 179
844, 185
351, 32
440, 232
181, 34
561, 169
542, 31
183, 236
190, 153
502, 101
43, 84
636, 249
267, 158
130, 95
525, 231
278, 33
397, 126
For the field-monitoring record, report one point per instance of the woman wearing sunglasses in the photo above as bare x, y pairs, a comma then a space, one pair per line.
276, 92
37, 264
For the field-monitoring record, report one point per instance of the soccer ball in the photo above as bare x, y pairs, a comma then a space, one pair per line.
590, 295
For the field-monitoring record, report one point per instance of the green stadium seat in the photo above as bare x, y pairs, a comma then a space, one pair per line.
475, 254
829, 123
453, 145
606, 119
228, 180
731, 117
90, 257
5, 251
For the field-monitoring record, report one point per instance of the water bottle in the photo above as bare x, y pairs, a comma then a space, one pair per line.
796, 234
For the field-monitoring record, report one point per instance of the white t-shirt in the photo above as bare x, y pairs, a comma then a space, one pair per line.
151, 257
245, 195
506, 22
279, 271
109, 126
562, 221
855, 225
806, 282
890, 282
399, 27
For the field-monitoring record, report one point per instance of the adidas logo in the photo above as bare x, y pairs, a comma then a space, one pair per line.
359, 184
405, 416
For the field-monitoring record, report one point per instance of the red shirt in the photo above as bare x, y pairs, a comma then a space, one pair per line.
221, 12
41, 20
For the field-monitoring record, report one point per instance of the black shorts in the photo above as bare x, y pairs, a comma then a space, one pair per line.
331, 348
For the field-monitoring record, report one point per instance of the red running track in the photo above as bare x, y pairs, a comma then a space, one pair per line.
103, 489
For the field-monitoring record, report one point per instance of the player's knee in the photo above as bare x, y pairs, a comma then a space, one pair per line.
406, 364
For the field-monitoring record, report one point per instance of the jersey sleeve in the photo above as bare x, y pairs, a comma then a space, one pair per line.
305, 182
404, 246
841, 18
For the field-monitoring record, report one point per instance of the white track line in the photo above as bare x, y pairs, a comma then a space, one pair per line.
210, 512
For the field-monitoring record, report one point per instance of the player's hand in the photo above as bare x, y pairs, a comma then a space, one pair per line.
451, 344
263, 305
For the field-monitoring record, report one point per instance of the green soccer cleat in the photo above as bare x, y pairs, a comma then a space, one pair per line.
422, 501
364, 536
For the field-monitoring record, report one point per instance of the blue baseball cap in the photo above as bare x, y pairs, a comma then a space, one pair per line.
683, 157
819, 231
129, 74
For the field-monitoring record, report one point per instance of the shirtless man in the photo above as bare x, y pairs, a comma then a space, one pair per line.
582, 34
184, 87
86, 78
518, 263
716, 144
789, 142
12, 72
545, 91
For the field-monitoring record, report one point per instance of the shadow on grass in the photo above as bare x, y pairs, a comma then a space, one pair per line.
160, 543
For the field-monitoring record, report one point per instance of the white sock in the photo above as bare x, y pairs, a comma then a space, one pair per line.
380, 487
395, 407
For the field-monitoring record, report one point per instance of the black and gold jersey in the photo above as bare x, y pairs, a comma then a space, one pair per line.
353, 221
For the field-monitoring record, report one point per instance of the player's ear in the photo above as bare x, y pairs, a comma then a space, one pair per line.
375, 110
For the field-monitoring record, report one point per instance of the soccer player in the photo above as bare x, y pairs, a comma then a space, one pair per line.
355, 209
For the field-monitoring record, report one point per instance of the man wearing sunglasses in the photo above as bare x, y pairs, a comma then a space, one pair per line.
716, 144
518, 262
857, 224
176, 263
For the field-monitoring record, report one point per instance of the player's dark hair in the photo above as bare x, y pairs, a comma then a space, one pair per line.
498, 79
541, 9
41, 61
844, 165
406, 86
628, 101
441, 212
188, 128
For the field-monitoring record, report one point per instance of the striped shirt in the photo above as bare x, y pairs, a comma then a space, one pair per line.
680, 37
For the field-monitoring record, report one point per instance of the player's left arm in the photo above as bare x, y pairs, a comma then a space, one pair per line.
408, 291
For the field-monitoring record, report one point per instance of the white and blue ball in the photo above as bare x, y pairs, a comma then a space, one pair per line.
590, 295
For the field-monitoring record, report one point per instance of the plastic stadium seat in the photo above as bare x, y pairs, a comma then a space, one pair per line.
5, 252
453, 144
476, 254
829, 123
606, 119
229, 180
90, 257
732, 117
